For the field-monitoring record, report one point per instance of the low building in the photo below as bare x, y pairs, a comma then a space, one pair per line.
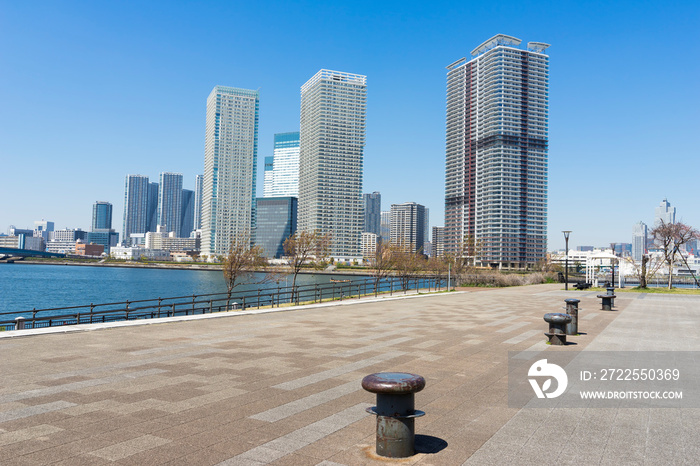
61, 247
9, 242
132, 253
89, 249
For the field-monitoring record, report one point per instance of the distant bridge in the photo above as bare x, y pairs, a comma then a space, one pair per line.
22, 253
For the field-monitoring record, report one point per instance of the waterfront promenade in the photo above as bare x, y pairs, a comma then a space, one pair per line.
284, 387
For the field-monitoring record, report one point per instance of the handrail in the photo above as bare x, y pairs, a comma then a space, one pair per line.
212, 302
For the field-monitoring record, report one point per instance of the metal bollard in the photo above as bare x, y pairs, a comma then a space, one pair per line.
607, 301
557, 327
611, 292
19, 323
572, 310
395, 411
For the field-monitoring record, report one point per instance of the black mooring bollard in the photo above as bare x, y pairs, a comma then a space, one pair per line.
572, 310
557, 327
610, 291
395, 411
606, 301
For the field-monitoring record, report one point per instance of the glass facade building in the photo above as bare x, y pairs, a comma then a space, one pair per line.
373, 213
101, 216
332, 139
497, 153
230, 168
198, 185
187, 216
277, 221
284, 171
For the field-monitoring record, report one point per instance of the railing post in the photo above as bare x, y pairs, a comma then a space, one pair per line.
243, 308
278, 296
127, 310
34, 318
159, 301
77, 319
211, 306
258, 298
173, 314
193, 299
391, 286
315, 292
92, 307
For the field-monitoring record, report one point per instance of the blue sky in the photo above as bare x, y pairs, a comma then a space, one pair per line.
93, 91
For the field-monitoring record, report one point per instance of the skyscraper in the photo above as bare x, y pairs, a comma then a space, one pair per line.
438, 242
170, 203
639, 241
101, 216
230, 166
135, 206
152, 208
268, 176
187, 214
285, 173
333, 108
408, 225
198, 185
664, 212
496, 152
373, 213
277, 221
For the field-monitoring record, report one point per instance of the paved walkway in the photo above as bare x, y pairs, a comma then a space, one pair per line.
284, 388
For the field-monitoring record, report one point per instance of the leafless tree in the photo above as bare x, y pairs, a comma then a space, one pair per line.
240, 263
382, 263
303, 248
669, 237
408, 263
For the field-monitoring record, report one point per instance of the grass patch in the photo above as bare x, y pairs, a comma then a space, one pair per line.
658, 290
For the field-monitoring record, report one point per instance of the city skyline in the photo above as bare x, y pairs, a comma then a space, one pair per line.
150, 76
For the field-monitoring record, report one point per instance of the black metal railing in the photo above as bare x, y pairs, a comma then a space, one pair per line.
213, 302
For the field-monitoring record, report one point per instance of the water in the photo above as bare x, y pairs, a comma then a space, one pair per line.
25, 286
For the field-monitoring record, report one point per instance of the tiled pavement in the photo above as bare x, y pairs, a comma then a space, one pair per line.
284, 387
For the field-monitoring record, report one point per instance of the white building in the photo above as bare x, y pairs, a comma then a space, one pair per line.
332, 139
496, 152
230, 164
664, 212
369, 245
132, 253
639, 241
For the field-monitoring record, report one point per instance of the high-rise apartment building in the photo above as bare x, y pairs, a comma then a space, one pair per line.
385, 225
496, 152
170, 203
438, 241
230, 167
198, 185
332, 139
277, 221
152, 208
373, 213
101, 216
408, 225
639, 241
284, 177
664, 212
136, 195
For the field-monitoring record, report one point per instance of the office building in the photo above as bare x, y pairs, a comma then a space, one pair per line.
101, 216
639, 241
664, 213
268, 176
284, 173
106, 238
385, 225
170, 202
187, 215
230, 166
136, 200
152, 207
42, 228
198, 185
438, 242
332, 139
496, 152
373, 213
408, 226
277, 221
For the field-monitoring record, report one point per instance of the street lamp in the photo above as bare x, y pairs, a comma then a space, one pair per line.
566, 271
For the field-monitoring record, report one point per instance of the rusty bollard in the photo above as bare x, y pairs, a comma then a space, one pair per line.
557, 327
606, 301
572, 310
395, 411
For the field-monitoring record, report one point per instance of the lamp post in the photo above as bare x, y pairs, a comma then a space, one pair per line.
566, 270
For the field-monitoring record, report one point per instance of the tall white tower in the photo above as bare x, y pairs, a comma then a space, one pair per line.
332, 139
230, 164
496, 152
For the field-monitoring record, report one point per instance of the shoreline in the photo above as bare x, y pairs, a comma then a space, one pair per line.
185, 266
